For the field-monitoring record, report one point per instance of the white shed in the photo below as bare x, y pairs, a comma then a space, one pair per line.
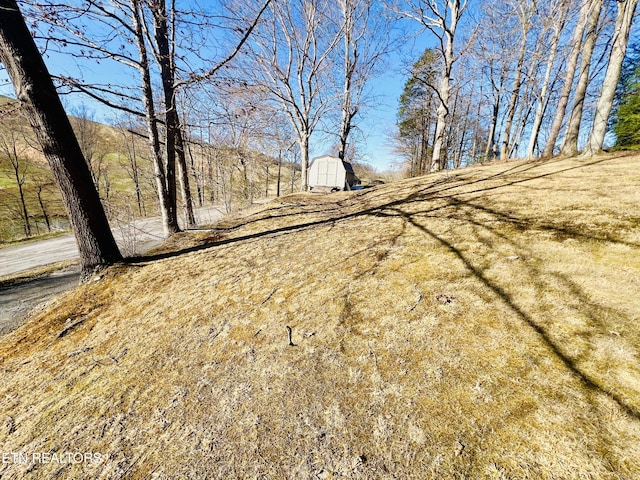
331, 173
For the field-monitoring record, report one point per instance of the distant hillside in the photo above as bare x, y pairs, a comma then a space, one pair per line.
107, 149
108, 135
215, 176
482, 323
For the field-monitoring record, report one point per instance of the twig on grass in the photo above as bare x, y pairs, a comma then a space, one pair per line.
289, 330
420, 297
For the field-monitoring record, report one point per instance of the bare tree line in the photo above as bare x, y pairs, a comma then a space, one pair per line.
542, 76
306, 60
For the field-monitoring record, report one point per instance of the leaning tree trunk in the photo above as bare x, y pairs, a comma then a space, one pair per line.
37, 94
570, 144
570, 71
624, 20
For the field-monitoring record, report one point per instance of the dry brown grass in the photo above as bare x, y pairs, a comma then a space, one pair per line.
483, 323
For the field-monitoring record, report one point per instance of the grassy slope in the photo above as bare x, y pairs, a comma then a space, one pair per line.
476, 324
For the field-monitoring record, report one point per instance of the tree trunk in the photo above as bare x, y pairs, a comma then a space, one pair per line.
462, 131
25, 213
37, 94
624, 20
453, 14
183, 178
443, 109
570, 144
490, 151
161, 36
570, 71
197, 176
293, 177
542, 98
43, 209
350, 63
167, 205
474, 147
14, 160
304, 162
174, 145
279, 172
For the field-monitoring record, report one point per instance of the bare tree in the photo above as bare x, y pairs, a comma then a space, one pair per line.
555, 18
366, 39
570, 143
90, 139
624, 19
290, 61
496, 71
441, 18
36, 92
42, 184
164, 53
162, 50
524, 10
13, 147
164, 172
575, 43
131, 162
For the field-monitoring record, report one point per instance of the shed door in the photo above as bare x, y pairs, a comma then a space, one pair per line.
327, 173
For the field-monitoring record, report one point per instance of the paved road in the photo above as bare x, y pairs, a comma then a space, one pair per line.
17, 300
135, 238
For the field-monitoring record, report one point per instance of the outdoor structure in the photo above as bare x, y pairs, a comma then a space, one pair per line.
329, 173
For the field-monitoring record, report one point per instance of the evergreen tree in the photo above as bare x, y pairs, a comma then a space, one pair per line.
627, 122
417, 112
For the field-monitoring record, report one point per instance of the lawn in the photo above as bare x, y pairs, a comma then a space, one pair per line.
479, 323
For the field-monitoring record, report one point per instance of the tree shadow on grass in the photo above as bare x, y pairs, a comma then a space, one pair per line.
502, 293
445, 202
349, 208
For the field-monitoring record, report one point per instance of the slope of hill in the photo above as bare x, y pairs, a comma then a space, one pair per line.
483, 323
